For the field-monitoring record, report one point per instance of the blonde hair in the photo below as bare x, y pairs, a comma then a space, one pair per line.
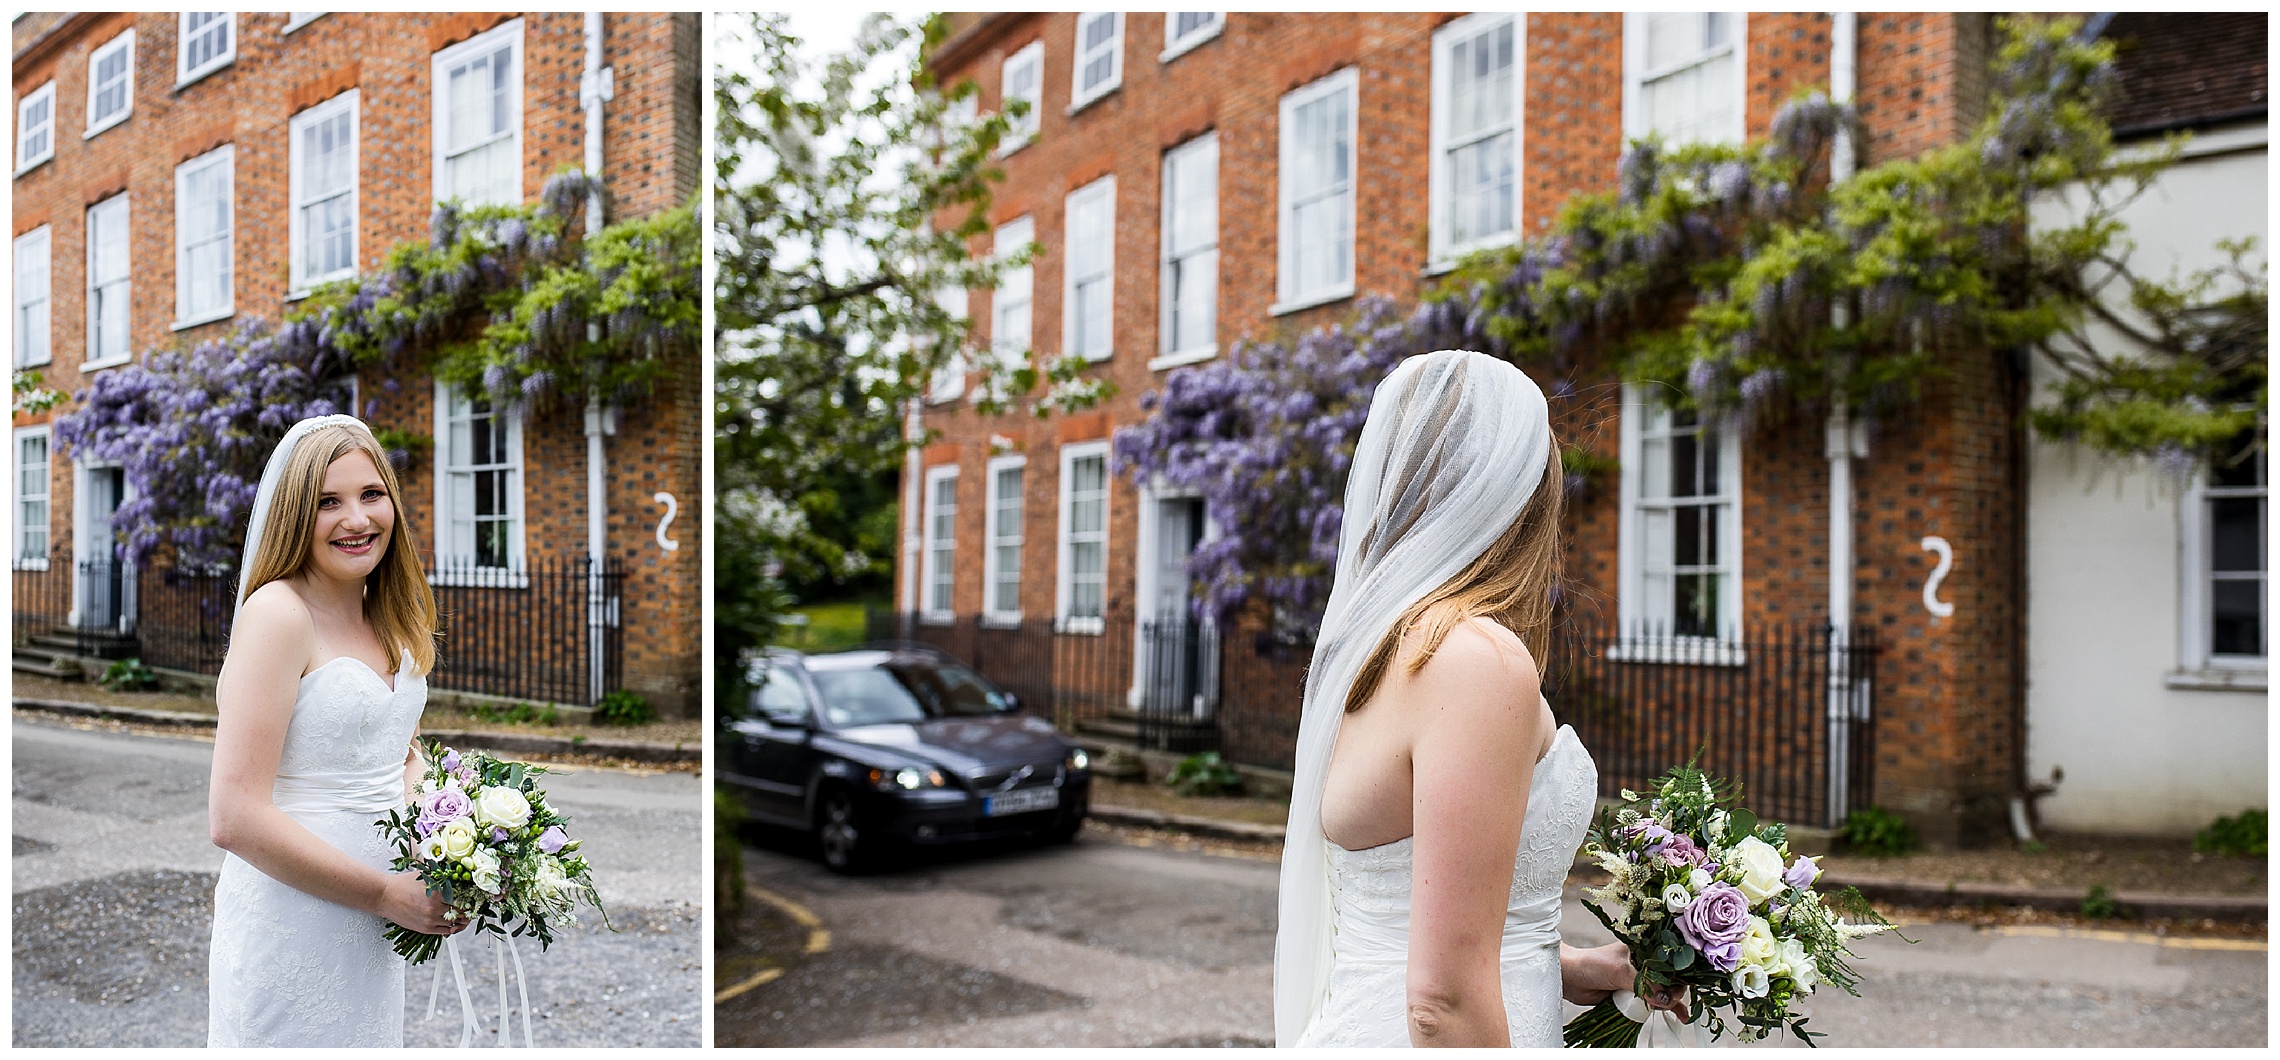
1510, 584
397, 600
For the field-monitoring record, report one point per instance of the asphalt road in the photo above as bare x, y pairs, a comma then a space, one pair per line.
112, 903
1106, 944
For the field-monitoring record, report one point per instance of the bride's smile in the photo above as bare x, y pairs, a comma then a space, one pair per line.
354, 519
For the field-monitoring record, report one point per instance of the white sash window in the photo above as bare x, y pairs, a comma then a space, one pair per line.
323, 189
31, 489
1009, 307
1682, 76
479, 489
1100, 56
939, 577
1476, 134
1023, 78
1083, 588
1088, 322
35, 127
203, 195
478, 119
111, 83
1681, 525
1316, 229
32, 298
2228, 621
208, 43
1183, 30
1002, 575
110, 286
1191, 252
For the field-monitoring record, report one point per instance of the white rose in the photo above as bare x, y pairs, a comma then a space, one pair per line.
502, 807
431, 848
486, 866
1802, 970
1761, 869
1752, 981
1758, 945
1697, 880
1675, 899
458, 836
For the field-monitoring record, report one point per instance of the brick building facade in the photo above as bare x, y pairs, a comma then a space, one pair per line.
1122, 104
221, 163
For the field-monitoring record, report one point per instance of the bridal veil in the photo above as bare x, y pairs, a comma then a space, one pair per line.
1454, 446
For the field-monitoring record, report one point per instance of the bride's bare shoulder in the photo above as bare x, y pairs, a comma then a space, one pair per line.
1482, 661
275, 610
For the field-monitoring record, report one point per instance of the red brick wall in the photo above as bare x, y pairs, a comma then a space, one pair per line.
1945, 688
650, 162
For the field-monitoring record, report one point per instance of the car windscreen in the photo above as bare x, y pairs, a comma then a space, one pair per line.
866, 697
951, 691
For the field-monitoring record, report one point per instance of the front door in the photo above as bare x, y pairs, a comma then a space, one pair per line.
1177, 657
102, 584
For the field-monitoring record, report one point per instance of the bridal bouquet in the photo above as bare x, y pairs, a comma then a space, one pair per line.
483, 838
1707, 898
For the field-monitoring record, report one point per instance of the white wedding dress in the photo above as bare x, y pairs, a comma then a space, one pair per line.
1367, 1000
289, 968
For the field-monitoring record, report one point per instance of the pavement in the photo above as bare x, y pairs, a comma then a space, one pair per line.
112, 889
1110, 943
193, 722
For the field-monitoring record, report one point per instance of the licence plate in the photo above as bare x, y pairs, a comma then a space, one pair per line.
1021, 801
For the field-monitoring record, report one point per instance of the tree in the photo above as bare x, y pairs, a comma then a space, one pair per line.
832, 182
1745, 281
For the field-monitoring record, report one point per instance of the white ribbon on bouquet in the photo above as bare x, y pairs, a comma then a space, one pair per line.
467, 1017
1660, 1028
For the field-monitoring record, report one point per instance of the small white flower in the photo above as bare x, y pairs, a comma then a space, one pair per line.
431, 848
1698, 879
1751, 981
1675, 899
486, 866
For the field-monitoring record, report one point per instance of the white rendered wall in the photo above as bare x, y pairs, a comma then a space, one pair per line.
2104, 569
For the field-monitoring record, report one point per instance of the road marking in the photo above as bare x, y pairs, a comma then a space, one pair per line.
818, 940
2146, 937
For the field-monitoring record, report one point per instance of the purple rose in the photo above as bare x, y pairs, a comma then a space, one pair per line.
1714, 924
451, 761
442, 807
552, 840
1801, 874
1680, 850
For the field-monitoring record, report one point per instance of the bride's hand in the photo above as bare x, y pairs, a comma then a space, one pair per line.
405, 901
1670, 999
1590, 976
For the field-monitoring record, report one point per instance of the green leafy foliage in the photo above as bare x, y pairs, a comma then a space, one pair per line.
1204, 774
2246, 834
2099, 904
515, 713
624, 707
1877, 832
128, 675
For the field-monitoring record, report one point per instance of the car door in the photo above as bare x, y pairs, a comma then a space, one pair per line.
771, 752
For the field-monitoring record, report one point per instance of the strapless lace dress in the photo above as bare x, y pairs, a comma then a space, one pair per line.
288, 968
1367, 1000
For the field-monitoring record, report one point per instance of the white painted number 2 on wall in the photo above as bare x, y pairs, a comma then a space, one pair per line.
672, 507
1932, 602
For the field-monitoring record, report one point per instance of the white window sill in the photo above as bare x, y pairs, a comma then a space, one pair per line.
309, 287
296, 27
2215, 680
223, 313
95, 366
1688, 651
1337, 294
1176, 359
1098, 94
937, 618
481, 578
41, 363
37, 162
31, 564
1006, 149
1193, 41
1089, 627
1002, 620
96, 130
195, 76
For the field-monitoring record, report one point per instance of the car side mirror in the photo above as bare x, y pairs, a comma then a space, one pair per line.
1012, 703
787, 719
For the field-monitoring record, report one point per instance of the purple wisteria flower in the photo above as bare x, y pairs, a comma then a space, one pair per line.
1714, 924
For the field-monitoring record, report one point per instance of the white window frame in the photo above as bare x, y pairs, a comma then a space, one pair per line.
993, 539
296, 225
1101, 194
439, 119
1288, 298
125, 283
224, 158
184, 73
17, 498
126, 40
1444, 251
949, 383
1009, 238
938, 556
1079, 96
1168, 355
452, 566
2199, 667
24, 128
1063, 588
39, 241
1025, 128
1176, 45
1634, 611
1636, 74
296, 19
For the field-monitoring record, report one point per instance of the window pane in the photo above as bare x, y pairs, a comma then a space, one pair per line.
1481, 180
1695, 611
1195, 288
2237, 617
2236, 534
1690, 539
1186, 22
111, 83
1480, 88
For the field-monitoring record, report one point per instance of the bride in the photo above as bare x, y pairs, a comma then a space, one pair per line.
1436, 810
319, 697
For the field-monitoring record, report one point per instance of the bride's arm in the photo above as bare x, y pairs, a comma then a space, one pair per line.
1477, 727
261, 676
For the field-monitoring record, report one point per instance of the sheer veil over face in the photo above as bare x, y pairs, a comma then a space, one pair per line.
1455, 444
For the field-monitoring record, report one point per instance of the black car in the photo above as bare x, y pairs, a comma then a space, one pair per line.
870, 749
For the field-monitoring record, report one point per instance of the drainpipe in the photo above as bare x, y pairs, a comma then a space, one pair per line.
1843, 441
913, 542
595, 87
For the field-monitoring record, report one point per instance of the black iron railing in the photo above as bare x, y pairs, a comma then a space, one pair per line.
42, 601
1783, 711
1081, 672
184, 619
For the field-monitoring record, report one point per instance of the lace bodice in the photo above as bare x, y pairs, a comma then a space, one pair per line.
288, 968
1370, 894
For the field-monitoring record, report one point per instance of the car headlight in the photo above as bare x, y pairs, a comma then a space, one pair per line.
907, 779
1078, 760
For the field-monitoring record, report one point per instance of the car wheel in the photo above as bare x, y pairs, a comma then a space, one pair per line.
839, 830
1065, 829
